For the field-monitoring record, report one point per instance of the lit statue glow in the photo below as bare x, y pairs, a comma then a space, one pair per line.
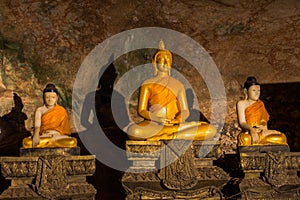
164, 107
253, 118
51, 124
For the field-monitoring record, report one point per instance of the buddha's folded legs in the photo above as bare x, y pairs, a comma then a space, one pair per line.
274, 139
63, 142
148, 129
49, 142
27, 142
201, 131
189, 131
245, 139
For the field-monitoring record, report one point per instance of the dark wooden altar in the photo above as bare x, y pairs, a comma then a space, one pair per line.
271, 174
48, 173
190, 175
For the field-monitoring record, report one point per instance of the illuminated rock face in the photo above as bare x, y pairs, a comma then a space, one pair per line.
242, 37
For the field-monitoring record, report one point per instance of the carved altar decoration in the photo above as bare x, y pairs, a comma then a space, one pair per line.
189, 176
181, 174
270, 175
48, 173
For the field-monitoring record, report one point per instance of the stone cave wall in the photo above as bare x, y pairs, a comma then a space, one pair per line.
49, 39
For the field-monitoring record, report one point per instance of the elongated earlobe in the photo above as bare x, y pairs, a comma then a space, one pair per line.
246, 93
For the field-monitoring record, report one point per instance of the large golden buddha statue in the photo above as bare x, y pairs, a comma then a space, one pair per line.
164, 107
253, 118
51, 124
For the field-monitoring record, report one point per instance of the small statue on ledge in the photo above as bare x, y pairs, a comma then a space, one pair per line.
51, 124
253, 118
164, 107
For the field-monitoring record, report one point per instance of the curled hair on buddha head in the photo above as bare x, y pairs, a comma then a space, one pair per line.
50, 87
251, 80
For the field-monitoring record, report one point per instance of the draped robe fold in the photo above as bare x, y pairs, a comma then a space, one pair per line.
256, 114
55, 119
160, 97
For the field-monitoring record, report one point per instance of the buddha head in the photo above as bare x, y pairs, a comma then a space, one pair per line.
251, 89
162, 59
50, 95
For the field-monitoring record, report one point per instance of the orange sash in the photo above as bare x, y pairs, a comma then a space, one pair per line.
56, 119
160, 95
256, 114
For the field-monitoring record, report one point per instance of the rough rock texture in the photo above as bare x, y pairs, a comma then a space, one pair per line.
52, 37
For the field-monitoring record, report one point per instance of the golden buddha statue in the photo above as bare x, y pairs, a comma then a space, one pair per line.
253, 118
51, 124
164, 107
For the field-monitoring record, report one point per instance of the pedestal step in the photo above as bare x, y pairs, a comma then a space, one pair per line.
49, 151
264, 148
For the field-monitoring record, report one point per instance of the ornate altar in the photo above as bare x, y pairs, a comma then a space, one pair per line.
270, 174
189, 176
48, 173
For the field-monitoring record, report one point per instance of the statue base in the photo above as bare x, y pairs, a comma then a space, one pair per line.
50, 151
271, 175
48, 173
149, 190
176, 169
264, 148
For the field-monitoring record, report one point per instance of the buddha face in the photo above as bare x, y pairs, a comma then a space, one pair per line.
50, 99
164, 62
253, 92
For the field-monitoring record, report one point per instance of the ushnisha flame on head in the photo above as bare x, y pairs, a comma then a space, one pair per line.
162, 52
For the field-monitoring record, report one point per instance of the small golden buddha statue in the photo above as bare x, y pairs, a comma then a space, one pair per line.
253, 118
164, 107
51, 124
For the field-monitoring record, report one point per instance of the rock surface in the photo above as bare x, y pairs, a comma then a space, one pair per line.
50, 39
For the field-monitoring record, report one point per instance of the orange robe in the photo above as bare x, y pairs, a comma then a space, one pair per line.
256, 114
162, 95
56, 119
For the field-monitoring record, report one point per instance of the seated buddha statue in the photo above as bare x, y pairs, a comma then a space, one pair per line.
253, 118
163, 105
51, 124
